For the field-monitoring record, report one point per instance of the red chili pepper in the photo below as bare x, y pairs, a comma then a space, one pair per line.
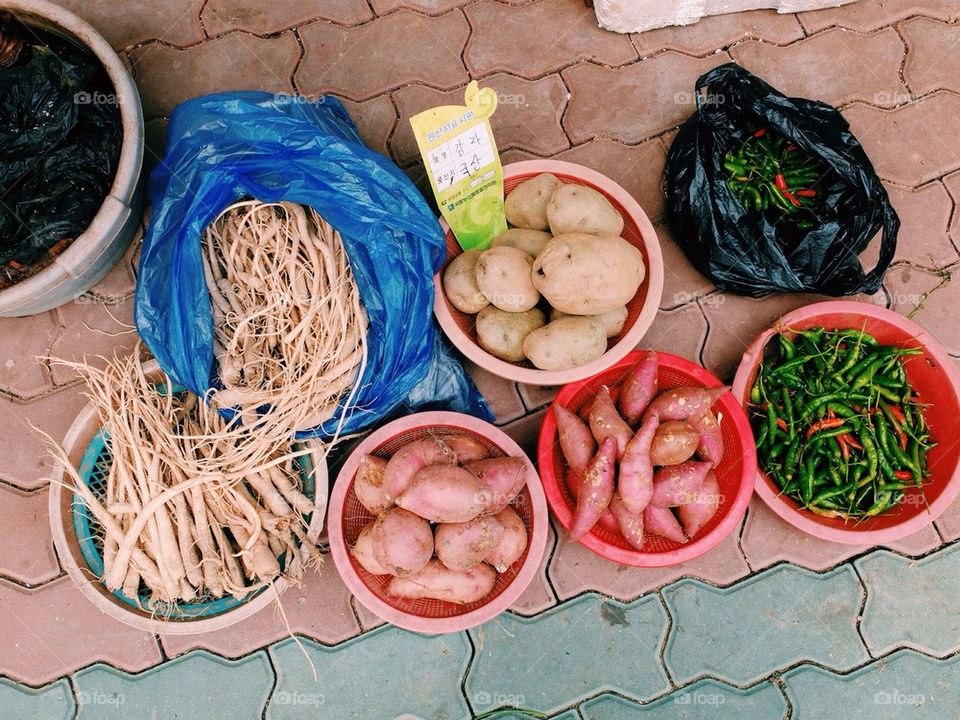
782, 424
898, 414
844, 448
791, 148
760, 133
902, 436
806, 193
903, 475
781, 183
791, 197
825, 424
851, 441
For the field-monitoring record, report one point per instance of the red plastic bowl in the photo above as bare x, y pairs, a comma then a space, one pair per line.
934, 377
735, 473
461, 328
348, 517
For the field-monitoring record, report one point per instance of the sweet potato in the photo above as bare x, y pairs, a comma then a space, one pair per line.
500, 479
596, 490
368, 484
576, 440
410, 459
683, 402
444, 493
440, 583
362, 551
710, 445
511, 544
674, 442
402, 542
661, 521
460, 546
639, 388
466, 449
675, 485
607, 521
635, 485
605, 422
698, 513
630, 524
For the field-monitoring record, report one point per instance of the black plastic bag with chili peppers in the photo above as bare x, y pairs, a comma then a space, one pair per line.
755, 253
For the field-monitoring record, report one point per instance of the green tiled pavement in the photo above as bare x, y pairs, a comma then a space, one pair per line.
704, 700
51, 702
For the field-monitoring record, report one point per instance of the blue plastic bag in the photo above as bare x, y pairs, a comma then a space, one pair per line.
223, 147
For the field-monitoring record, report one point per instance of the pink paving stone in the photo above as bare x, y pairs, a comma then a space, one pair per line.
24, 339
836, 67
167, 76
719, 31
262, 18
682, 282
92, 331
368, 621
575, 569
525, 432
30, 465
681, 332
913, 144
768, 539
636, 102
54, 630
375, 120
501, 394
536, 396
538, 596
25, 533
867, 15
428, 7
126, 24
948, 524
932, 62
119, 282
952, 183
319, 609
539, 38
939, 297
527, 117
384, 54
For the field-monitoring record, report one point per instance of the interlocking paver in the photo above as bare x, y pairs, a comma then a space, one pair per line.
383, 674
501, 395
636, 102
119, 283
865, 15
836, 67
526, 430
384, 54
53, 630
682, 282
936, 296
25, 526
126, 24
719, 31
550, 661
198, 685
575, 569
897, 588
768, 539
910, 145
680, 331
932, 62
948, 524
527, 117
368, 621
430, 7
538, 596
260, 18
771, 621
167, 76
24, 339
704, 700
52, 702
93, 331
539, 38
319, 608
375, 120
903, 685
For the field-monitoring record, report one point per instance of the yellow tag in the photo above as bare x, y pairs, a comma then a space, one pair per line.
461, 159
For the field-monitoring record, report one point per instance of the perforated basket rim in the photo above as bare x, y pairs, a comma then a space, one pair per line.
630, 339
733, 413
408, 621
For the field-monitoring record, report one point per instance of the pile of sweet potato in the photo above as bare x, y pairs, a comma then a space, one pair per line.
444, 527
636, 479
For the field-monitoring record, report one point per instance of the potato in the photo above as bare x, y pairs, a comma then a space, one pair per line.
502, 333
530, 241
444, 493
612, 321
526, 205
461, 546
402, 542
368, 484
578, 208
362, 551
566, 343
583, 274
440, 583
511, 544
504, 278
460, 283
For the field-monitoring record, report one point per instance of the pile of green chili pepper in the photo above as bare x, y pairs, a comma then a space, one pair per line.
838, 427
767, 171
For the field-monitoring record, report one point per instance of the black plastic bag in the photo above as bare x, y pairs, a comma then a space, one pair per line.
747, 252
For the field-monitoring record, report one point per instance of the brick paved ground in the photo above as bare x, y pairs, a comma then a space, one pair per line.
770, 624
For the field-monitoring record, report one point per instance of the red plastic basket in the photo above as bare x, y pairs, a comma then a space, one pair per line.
348, 517
932, 375
461, 328
735, 473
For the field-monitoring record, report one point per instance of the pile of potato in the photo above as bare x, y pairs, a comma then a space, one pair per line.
563, 259
444, 527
